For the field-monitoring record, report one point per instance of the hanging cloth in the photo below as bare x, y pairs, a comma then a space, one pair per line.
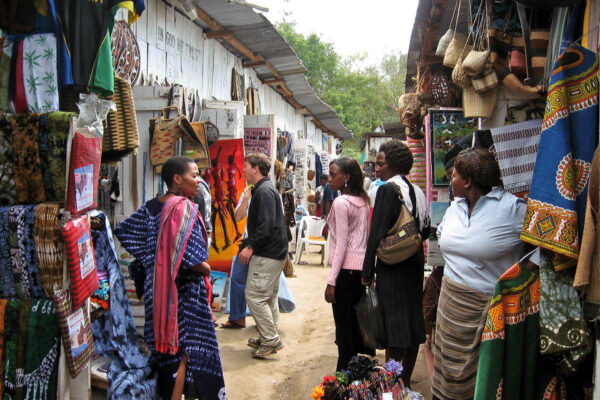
26, 159
39, 73
6, 46
556, 204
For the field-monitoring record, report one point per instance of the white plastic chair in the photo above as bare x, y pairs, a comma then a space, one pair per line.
311, 229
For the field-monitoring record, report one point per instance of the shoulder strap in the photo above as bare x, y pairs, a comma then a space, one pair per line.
413, 197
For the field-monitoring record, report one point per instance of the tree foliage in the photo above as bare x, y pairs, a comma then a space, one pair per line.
363, 96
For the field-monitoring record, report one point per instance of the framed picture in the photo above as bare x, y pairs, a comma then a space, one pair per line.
218, 280
447, 127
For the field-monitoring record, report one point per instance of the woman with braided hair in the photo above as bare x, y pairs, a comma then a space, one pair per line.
479, 240
399, 286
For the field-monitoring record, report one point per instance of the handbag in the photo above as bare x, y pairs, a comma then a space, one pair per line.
456, 46
477, 59
403, 240
488, 81
166, 134
479, 105
459, 77
517, 63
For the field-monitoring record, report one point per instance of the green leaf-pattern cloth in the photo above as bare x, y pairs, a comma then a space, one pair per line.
6, 46
39, 72
41, 353
563, 332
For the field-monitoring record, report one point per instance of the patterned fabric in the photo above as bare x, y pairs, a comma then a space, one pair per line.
2, 310
80, 259
39, 72
26, 159
84, 173
8, 193
41, 352
563, 331
7, 284
138, 235
9, 356
19, 97
6, 46
101, 297
24, 308
516, 149
76, 332
460, 322
177, 220
509, 343
16, 228
23, 255
58, 131
556, 204
130, 374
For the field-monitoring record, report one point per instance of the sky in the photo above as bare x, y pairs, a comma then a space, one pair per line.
377, 27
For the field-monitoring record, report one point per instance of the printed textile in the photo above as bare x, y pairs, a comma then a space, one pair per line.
563, 331
2, 310
8, 193
6, 48
26, 159
138, 235
509, 343
516, 149
23, 256
9, 352
129, 373
39, 72
556, 204
41, 353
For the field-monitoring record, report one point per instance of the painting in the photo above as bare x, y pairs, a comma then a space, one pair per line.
218, 279
447, 127
227, 182
257, 140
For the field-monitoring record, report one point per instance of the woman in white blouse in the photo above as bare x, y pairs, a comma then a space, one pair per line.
479, 240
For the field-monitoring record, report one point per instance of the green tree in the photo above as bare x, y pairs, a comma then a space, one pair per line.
363, 96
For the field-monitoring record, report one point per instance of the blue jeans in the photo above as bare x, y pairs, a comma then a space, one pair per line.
237, 303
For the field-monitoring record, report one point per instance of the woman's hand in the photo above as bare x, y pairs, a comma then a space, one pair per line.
330, 294
203, 268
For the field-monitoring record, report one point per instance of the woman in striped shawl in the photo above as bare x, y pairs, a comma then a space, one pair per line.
479, 240
168, 237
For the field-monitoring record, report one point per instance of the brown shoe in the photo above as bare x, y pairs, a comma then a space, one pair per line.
264, 350
254, 343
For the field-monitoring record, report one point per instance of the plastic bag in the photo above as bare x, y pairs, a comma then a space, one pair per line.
370, 320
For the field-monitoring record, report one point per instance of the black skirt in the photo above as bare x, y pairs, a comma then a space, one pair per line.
400, 294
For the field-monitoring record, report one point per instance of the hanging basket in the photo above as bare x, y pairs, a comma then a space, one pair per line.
441, 89
479, 105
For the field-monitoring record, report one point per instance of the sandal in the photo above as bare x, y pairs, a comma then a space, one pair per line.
232, 325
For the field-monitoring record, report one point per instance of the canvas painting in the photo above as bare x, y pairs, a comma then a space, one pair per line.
218, 279
447, 127
257, 140
227, 182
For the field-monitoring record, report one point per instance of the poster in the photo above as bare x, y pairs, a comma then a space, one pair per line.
86, 257
257, 140
77, 336
447, 128
227, 182
218, 280
84, 187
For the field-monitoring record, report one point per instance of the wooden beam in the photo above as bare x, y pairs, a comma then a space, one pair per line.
273, 81
219, 34
431, 31
428, 60
254, 64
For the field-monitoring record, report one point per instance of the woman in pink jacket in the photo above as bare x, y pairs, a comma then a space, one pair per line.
348, 223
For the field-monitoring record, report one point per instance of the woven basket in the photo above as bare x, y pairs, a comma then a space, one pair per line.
459, 77
479, 105
444, 42
457, 47
121, 132
49, 246
475, 62
486, 82
441, 90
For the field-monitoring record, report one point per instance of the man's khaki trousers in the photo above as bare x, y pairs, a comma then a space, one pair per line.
262, 288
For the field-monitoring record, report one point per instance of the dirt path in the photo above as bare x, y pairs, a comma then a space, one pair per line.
309, 354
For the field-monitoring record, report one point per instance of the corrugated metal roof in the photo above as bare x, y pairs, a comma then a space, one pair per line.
259, 35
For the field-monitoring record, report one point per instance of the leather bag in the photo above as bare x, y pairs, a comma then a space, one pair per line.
403, 240
166, 135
